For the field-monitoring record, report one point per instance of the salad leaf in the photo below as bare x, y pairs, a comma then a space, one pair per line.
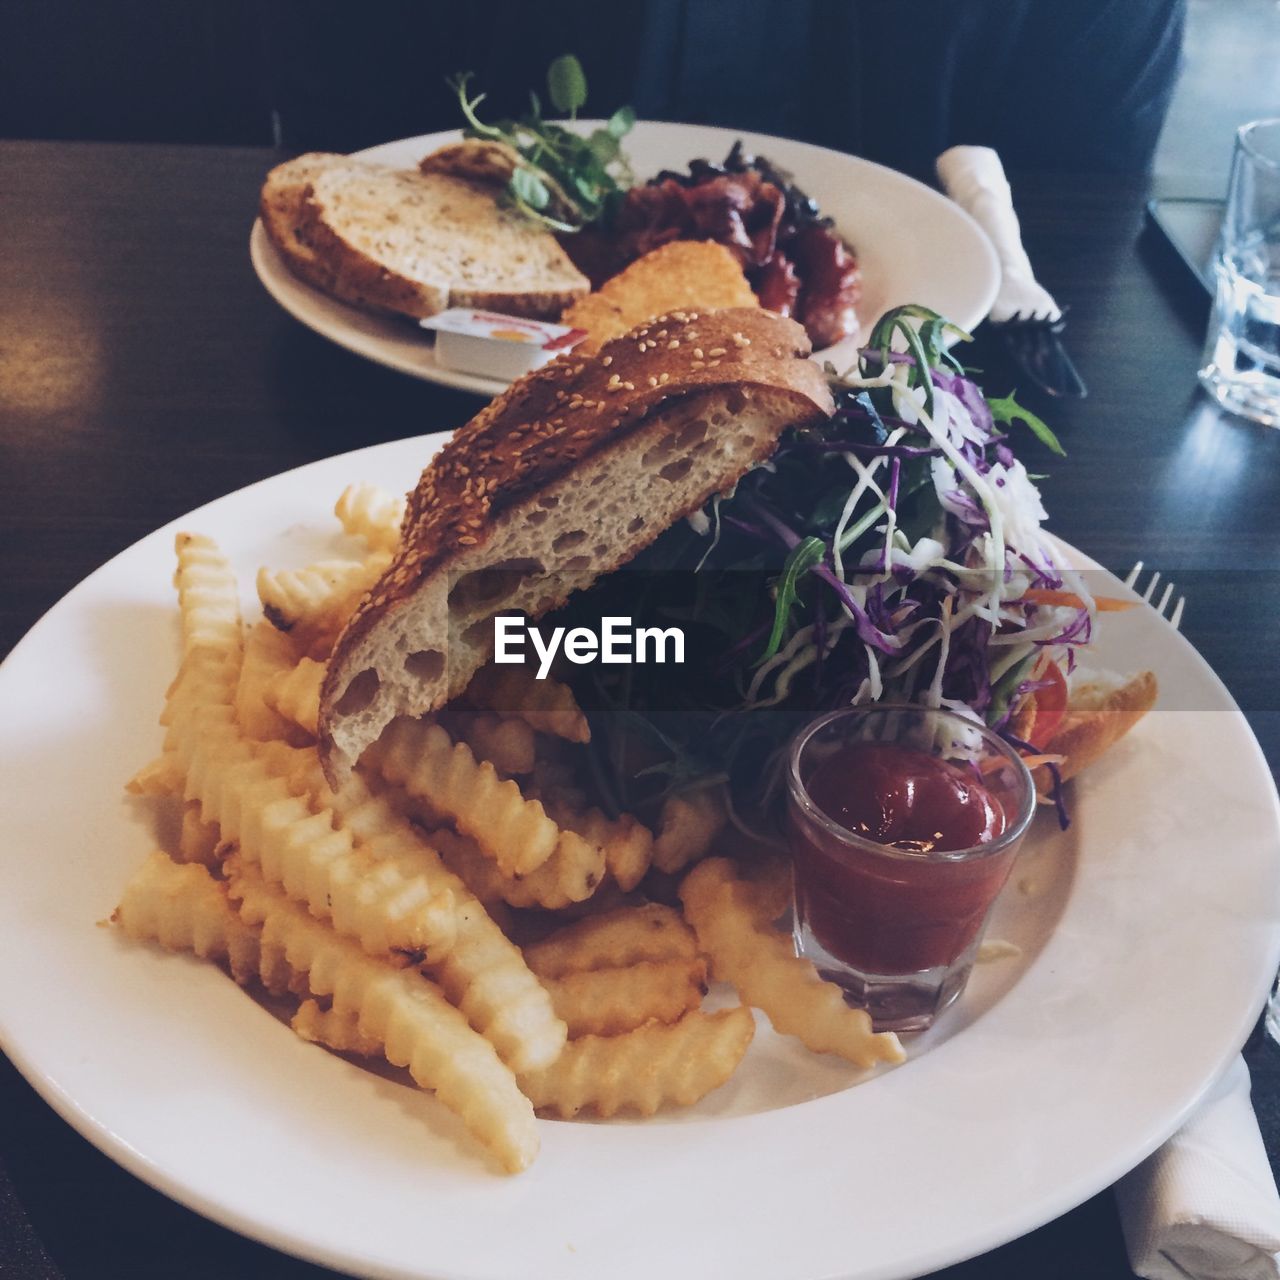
1007, 410
803, 557
567, 84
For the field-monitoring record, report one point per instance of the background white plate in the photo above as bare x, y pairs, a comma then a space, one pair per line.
914, 244
1148, 934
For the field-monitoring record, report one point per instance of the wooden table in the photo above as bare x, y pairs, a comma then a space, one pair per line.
143, 371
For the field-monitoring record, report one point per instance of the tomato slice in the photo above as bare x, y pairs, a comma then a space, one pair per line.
1051, 705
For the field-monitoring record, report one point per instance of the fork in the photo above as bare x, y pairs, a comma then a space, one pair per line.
1035, 343
1175, 617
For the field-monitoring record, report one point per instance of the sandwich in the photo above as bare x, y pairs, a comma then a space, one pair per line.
563, 478
822, 540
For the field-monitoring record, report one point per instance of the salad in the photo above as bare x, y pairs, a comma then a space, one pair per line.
894, 553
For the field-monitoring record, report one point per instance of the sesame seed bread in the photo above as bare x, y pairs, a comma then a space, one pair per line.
416, 243
567, 475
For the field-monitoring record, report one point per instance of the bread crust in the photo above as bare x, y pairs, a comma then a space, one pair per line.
387, 235
560, 419
1088, 732
280, 208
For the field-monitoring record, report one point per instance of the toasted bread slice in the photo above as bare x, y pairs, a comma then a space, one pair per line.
476, 159
685, 275
417, 243
280, 207
1101, 710
566, 476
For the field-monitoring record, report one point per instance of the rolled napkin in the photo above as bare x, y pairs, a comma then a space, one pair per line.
974, 178
1204, 1206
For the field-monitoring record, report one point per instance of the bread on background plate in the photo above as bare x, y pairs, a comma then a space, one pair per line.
563, 478
412, 243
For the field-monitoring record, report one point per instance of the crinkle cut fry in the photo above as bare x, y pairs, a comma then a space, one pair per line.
371, 514
627, 844
313, 603
516, 833
761, 964
608, 1002
641, 1070
295, 694
404, 1011
183, 908
333, 1030
268, 654
484, 973
614, 939
560, 882
507, 743
689, 824
374, 901
547, 705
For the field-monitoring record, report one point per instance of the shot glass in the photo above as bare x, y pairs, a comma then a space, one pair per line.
904, 823
1242, 353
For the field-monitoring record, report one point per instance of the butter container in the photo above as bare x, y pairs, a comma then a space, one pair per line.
497, 346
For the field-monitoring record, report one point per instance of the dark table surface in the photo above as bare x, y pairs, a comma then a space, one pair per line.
143, 371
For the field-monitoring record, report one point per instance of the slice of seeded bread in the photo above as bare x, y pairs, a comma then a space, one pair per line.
567, 475
418, 242
280, 207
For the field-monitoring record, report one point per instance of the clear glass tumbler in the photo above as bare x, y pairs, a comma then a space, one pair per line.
904, 823
1242, 354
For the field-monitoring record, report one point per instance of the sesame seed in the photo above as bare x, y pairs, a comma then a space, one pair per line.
698, 364
673, 344
711, 364
606, 361
717, 351
697, 351
630, 386
466, 540
653, 382
663, 377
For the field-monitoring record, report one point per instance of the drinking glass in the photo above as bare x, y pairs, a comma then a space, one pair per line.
1242, 354
904, 823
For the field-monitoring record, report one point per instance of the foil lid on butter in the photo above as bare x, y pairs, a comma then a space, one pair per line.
496, 345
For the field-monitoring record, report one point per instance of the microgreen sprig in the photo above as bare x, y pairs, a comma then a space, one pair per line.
564, 179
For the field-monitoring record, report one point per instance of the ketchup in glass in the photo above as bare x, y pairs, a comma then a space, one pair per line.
900, 849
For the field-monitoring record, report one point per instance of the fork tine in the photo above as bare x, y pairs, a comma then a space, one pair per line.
1176, 619
1155, 582
1133, 575
1164, 599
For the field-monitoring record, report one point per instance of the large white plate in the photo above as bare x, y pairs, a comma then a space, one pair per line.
914, 244
1147, 934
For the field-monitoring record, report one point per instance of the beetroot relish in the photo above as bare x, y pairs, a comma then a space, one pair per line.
895, 913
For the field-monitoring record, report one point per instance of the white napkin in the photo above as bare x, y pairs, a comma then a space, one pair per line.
1204, 1206
974, 178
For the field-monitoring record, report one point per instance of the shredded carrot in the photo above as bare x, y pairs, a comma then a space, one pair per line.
1069, 600
1032, 762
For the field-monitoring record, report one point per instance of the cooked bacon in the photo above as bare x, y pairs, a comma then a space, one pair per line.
777, 285
832, 284
795, 262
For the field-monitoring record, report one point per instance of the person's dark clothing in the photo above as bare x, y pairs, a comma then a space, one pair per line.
1051, 84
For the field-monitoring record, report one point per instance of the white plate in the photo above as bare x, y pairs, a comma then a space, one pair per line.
914, 244
1147, 934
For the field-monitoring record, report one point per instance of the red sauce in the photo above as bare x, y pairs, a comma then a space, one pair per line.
887, 914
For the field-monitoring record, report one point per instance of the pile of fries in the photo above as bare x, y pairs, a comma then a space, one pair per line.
453, 907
